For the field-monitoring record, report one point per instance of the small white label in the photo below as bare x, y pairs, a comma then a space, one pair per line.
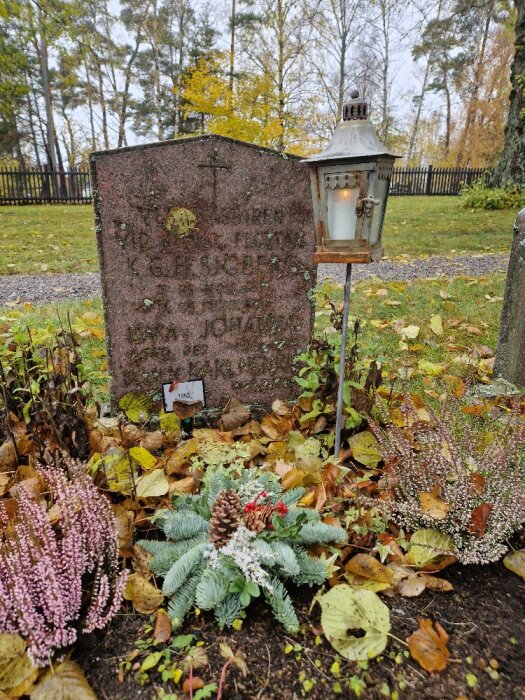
183, 391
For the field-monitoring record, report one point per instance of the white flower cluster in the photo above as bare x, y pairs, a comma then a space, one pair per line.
241, 549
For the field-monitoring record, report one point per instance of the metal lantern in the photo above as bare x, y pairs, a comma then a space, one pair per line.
350, 182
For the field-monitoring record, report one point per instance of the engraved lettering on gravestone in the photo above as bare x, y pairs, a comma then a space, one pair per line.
227, 302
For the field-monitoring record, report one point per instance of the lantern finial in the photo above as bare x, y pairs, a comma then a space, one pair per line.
355, 108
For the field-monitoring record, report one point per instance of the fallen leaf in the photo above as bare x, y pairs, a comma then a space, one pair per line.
187, 409
145, 597
186, 485
479, 518
474, 330
143, 457
515, 562
409, 332
179, 459
17, 673
428, 646
7, 456
367, 566
192, 684
136, 406
153, 483
344, 611
64, 682
436, 325
162, 629
365, 448
432, 505
431, 369
430, 549
234, 415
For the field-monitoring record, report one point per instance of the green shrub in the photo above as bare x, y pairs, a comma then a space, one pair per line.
479, 196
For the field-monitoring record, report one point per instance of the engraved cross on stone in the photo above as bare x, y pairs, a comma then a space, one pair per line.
215, 166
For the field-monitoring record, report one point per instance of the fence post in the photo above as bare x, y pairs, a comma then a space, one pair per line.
428, 189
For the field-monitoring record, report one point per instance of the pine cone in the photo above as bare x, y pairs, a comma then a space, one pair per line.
259, 518
225, 517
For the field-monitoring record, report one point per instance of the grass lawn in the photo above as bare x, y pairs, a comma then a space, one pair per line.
60, 238
469, 310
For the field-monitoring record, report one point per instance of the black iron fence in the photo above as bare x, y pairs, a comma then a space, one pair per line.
434, 181
42, 186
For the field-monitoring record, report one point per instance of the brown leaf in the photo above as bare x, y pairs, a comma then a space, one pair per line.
194, 683
293, 478
432, 505
186, 485
478, 482
7, 456
153, 441
64, 682
162, 630
146, 598
234, 415
187, 409
428, 646
124, 525
367, 566
437, 584
280, 408
479, 518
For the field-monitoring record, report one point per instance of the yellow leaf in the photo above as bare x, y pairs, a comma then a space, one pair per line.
410, 332
431, 369
64, 682
367, 566
153, 483
430, 549
515, 562
292, 478
436, 325
145, 597
179, 459
433, 506
17, 673
365, 449
143, 457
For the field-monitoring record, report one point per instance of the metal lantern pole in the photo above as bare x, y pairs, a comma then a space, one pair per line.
342, 362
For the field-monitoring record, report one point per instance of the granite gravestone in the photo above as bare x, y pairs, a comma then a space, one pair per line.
206, 248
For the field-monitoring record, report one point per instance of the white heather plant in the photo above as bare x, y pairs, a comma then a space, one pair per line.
457, 474
261, 542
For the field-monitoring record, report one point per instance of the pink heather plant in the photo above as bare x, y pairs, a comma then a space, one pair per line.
59, 578
476, 469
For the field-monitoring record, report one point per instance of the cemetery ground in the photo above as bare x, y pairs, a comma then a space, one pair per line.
437, 333
60, 238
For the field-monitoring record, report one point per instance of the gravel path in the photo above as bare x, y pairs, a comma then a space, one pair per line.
44, 289
435, 266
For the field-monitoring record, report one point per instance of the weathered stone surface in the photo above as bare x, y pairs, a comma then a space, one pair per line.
510, 355
206, 248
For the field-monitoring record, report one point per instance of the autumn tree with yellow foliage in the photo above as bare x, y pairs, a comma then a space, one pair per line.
248, 112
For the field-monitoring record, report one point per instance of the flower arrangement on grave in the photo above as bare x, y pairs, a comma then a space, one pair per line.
238, 538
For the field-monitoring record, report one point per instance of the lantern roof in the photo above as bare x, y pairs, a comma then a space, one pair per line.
354, 137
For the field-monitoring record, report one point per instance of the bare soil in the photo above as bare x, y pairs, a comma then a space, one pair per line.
484, 616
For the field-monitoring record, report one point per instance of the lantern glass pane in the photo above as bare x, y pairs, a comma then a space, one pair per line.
380, 193
342, 219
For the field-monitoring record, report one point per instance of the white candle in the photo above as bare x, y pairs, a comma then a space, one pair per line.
341, 213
